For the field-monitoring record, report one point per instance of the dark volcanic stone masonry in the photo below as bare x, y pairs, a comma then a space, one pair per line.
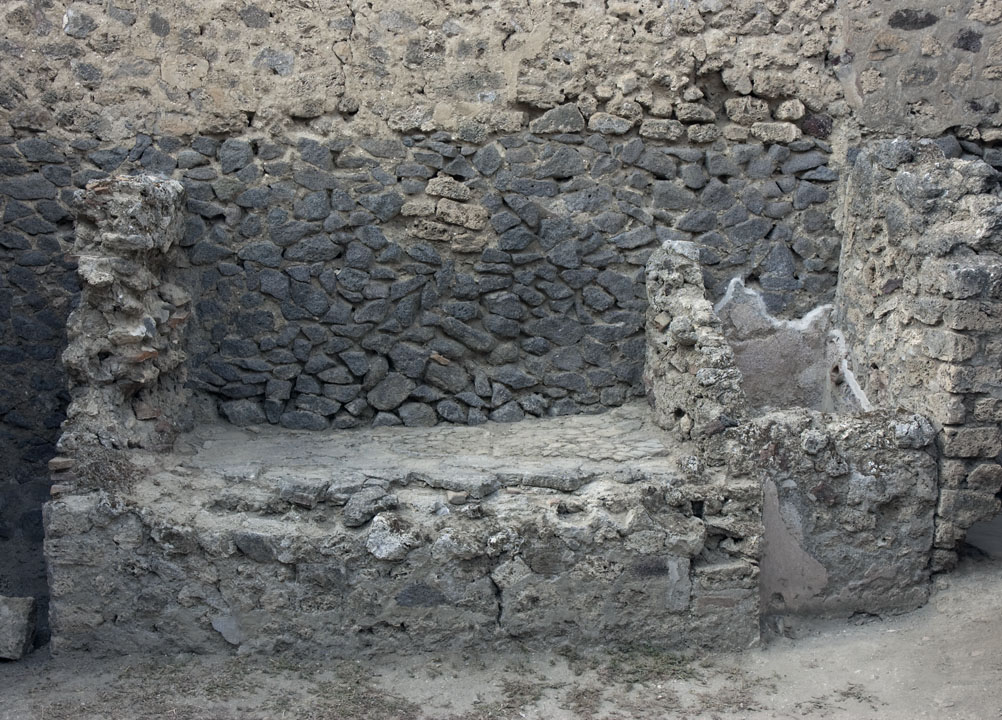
420, 278
38, 286
417, 279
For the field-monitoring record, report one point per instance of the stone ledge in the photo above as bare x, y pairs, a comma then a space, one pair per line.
346, 545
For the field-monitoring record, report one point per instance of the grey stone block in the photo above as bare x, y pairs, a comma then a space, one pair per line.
452, 378
558, 330
487, 159
798, 162
414, 414
28, 187
235, 155
303, 420
716, 196
670, 196
391, 391
451, 411
697, 221
562, 119
17, 626
563, 162
809, 194
244, 412
318, 405
509, 412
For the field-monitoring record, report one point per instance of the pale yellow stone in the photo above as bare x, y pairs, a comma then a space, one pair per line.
790, 110
473, 217
775, 132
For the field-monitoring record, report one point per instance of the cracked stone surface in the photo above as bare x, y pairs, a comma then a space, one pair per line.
626, 433
574, 530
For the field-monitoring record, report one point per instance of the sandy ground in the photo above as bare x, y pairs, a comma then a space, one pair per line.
943, 661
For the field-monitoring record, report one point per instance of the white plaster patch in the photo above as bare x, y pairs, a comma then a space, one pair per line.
850, 377
798, 324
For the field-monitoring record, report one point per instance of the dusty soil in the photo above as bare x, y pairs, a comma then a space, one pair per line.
943, 661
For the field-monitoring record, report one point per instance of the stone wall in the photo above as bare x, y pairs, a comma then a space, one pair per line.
215, 67
848, 499
125, 356
91, 89
848, 510
340, 280
570, 532
506, 282
921, 69
919, 286
38, 286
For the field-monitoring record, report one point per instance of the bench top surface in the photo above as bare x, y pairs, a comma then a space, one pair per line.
625, 435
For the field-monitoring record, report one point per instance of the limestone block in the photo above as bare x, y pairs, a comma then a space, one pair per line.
972, 315
952, 473
694, 113
17, 626
971, 441
562, 119
607, 124
986, 478
963, 508
661, 129
473, 217
737, 133
988, 410
789, 110
955, 378
746, 110
418, 208
974, 276
775, 132
448, 188
702, 133
946, 408
431, 230
948, 346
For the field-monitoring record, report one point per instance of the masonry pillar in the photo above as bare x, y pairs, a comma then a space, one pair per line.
920, 302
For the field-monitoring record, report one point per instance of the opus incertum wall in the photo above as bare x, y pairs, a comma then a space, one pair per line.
416, 279
427, 279
258, 108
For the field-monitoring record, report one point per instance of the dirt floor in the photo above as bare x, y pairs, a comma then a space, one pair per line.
943, 661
